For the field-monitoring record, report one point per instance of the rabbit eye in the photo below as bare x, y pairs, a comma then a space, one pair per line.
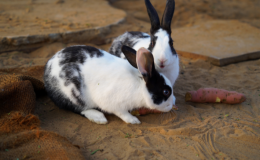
166, 92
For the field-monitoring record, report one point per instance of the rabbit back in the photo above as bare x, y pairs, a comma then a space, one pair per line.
64, 81
130, 39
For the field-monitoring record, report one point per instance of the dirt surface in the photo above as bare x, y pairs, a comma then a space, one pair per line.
188, 12
196, 131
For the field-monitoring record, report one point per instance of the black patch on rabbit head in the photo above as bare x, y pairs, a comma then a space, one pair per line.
77, 54
171, 46
156, 87
152, 43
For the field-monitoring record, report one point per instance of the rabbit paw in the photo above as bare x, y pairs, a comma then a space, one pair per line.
128, 118
95, 116
132, 120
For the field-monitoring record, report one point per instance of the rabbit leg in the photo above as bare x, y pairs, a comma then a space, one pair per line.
94, 116
127, 117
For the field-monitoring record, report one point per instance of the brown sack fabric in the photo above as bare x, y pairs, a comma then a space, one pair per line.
16, 95
20, 135
21, 138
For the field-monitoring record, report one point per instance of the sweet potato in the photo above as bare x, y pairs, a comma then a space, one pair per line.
214, 95
144, 111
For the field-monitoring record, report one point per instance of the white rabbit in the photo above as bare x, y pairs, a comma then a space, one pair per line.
159, 43
83, 79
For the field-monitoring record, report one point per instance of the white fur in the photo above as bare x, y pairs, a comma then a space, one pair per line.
95, 116
162, 50
112, 85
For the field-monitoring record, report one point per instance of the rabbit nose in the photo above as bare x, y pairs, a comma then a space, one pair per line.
162, 64
162, 61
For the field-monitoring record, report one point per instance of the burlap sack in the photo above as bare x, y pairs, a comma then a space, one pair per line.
21, 138
20, 135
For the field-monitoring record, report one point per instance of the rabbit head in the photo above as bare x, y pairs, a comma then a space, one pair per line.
158, 92
161, 44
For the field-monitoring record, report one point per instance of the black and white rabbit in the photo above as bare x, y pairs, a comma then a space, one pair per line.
83, 79
159, 43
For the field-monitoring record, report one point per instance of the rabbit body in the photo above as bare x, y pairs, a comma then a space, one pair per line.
83, 78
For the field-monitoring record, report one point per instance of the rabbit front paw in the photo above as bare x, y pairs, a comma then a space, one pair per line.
132, 120
95, 116
128, 118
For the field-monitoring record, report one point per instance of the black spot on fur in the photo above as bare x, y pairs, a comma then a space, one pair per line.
78, 98
59, 99
76, 54
128, 39
156, 85
171, 45
71, 74
152, 43
71, 59
138, 34
130, 42
117, 51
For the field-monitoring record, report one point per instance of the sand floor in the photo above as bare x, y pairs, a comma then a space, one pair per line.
196, 131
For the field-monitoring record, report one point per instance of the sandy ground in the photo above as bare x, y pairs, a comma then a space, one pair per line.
196, 131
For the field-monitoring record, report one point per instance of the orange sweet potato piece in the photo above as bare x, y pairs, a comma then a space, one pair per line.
214, 95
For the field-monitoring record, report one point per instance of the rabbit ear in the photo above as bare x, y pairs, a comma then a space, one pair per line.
167, 15
145, 63
130, 55
154, 18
